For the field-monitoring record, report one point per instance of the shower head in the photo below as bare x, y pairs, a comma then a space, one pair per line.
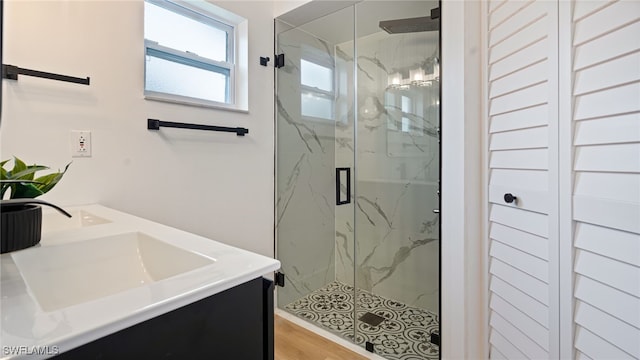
418, 24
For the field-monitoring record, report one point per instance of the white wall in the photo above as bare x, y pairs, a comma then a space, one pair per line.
283, 6
463, 300
213, 184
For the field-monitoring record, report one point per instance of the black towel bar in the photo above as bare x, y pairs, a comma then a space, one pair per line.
153, 124
11, 72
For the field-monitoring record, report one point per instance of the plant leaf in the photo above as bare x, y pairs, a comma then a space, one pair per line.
28, 173
21, 181
3, 176
3, 172
3, 189
47, 182
18, 165
18, 181
24, 171
25, 190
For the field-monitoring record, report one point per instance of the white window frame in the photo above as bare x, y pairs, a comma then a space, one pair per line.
227, 68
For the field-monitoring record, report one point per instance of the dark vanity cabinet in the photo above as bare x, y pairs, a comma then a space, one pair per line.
234, 324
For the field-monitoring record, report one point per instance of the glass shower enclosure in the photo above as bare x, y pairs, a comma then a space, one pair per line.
357, 171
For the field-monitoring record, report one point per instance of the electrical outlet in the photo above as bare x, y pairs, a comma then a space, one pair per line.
80, 143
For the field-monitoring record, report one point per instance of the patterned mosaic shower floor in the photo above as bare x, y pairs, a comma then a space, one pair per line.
403, 334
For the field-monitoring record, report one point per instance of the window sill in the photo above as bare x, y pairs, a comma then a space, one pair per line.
183, 100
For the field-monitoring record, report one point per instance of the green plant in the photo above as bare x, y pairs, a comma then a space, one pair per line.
22, 181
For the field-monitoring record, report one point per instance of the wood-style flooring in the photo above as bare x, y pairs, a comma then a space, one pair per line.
293, 342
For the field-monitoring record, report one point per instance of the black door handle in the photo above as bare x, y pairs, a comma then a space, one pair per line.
339, 199
509, 198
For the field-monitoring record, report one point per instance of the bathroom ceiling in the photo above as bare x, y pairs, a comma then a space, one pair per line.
336, 27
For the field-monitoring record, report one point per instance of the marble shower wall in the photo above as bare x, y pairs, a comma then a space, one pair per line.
397, 173
305, 203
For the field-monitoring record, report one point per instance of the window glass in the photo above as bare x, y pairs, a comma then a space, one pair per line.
171, 77
392, 110
406, 108
317, 76
316, 106
184, 33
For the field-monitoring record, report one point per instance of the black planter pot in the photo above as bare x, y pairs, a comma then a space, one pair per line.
21, 223
21, 226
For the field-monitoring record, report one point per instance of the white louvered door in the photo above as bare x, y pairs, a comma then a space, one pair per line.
597, 141
606, 193
522, 94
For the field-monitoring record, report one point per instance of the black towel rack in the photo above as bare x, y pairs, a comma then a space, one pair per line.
11, 72
154, 124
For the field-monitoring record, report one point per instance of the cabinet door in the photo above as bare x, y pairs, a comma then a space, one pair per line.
522, 51
606, 188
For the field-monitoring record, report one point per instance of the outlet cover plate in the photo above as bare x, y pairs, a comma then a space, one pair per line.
80, 143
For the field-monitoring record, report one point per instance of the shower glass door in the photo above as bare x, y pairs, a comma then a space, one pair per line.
357, 172
314, 169
397, 178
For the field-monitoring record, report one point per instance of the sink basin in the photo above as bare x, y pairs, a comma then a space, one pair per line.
63, 275
54, 221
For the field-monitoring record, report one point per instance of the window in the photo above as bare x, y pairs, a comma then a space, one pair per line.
406, 111
189, 54
317, 97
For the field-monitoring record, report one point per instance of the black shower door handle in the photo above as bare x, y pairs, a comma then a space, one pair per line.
339, 173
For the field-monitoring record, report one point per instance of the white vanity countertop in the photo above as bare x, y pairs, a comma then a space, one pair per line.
30, 326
